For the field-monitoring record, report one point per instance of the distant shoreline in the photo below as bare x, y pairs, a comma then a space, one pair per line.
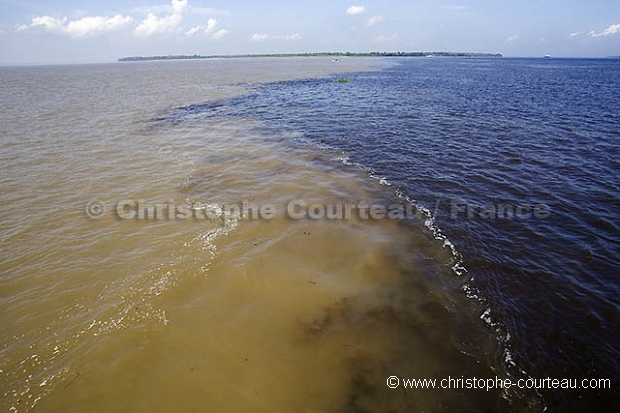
331, 55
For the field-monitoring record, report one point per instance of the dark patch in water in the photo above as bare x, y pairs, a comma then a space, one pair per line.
401, 330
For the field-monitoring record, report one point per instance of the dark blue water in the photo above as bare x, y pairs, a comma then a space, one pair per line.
520, 161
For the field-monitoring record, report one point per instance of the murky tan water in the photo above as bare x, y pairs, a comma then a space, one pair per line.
221, 315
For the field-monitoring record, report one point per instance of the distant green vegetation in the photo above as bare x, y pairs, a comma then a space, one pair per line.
342, 80
322, 54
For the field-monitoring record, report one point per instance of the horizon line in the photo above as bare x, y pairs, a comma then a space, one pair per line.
303, 54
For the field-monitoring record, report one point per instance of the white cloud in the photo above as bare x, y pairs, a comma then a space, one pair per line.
356, 10
262, 37
259, 37
159, 19
179, 6
97, 24
575, 34
209, 30
153, 24
188, 9
383, 38
374, 20
512, 38
611, 30
193, 31
49, 23
211, 23
219, 34
85, 26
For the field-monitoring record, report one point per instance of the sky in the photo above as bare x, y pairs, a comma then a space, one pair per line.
72, 31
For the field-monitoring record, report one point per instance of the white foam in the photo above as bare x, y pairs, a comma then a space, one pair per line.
342, 158
382, 180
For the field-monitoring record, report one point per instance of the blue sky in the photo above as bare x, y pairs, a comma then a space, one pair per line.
70, 31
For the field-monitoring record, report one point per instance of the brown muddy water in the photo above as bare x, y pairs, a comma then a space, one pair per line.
229, 314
